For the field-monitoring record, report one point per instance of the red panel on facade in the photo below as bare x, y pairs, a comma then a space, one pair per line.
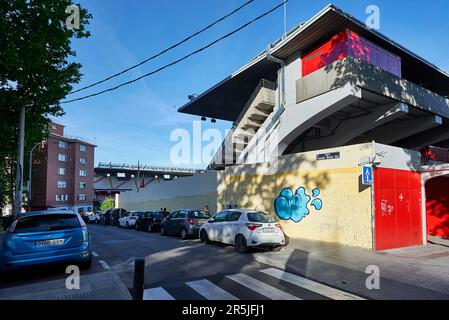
437, 195
350, 44
397, 208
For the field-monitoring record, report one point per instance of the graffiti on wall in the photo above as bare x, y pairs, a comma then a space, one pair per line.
295, 206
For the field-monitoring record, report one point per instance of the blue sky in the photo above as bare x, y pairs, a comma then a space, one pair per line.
134, 123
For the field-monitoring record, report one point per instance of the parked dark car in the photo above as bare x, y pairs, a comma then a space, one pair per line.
184, 223
116, 214
105, 217
151, 221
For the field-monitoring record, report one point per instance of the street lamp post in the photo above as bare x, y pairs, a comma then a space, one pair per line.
19, 168
30, 168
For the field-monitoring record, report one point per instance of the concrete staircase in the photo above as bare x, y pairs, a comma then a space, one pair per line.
258, 108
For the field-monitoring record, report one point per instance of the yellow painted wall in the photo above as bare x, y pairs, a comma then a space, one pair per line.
346, 214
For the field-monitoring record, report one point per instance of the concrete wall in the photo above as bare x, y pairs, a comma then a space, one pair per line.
346, 213
185, 192
397, 158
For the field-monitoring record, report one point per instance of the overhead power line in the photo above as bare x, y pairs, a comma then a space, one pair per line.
167, 49
181, 59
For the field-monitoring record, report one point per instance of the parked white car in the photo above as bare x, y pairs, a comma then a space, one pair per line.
128, 220
93, 217
244, 229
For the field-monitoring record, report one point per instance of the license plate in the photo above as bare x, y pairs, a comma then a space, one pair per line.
47, 243
268, 230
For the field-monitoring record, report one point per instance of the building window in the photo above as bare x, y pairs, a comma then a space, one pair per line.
62, 144
61, 171
62, 157
82, 197
62, 184
62, 197
83, 160
83, 148
82, 185
83, 173
53, 126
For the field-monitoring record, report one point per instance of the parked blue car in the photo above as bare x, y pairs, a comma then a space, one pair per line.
46, 237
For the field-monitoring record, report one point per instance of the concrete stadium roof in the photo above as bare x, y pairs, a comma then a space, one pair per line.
227, 99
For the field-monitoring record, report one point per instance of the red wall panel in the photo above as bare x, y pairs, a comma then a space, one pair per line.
350, 44
397, 208
437, 197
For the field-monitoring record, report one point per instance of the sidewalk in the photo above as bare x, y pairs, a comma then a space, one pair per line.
98, 286
409, 273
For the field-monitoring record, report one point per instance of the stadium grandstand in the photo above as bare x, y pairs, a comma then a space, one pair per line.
113, 178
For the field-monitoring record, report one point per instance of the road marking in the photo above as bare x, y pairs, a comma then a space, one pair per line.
94, 254
157, 294
210, 291
261, 287
130, 261
104, 264
310, 285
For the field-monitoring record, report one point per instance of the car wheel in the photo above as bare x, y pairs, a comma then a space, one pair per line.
276, 248
204, 237
183, 234
136, 227
87, 264
163, 232
240, 244
127, 225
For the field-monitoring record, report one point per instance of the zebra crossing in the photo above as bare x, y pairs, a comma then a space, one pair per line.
264, 284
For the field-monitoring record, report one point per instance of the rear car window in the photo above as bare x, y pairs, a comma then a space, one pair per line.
199, 215
51, 222
139, 214
260, 217
159, 214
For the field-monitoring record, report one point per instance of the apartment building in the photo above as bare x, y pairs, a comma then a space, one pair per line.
63, 172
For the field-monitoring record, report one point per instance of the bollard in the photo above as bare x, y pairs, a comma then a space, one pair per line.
139, 277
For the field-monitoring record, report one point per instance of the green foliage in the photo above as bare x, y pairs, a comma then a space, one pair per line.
35, 71
107, 203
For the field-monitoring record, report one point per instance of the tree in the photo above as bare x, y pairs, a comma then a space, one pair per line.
35, 71
107, 203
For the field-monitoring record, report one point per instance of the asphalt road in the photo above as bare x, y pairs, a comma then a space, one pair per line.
180, 269
168, 258
188, 269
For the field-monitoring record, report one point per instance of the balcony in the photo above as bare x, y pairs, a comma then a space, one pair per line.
373, 79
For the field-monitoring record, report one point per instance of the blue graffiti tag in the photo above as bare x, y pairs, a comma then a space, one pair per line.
289, 206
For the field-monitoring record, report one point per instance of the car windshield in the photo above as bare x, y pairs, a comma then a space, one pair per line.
50, 222
260, 217
199, 214
139, 214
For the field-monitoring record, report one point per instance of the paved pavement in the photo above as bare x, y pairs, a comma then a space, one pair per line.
177, 269
97, 286
407, 273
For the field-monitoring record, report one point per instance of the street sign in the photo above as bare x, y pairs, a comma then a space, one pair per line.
328, 156
367, 176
